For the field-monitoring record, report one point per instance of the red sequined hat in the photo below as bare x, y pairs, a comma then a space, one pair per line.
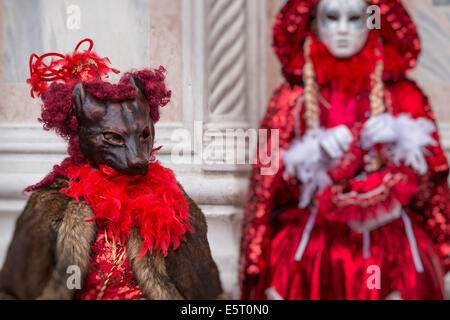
398, 32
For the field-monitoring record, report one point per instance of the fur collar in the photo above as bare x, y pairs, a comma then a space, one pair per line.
73, 248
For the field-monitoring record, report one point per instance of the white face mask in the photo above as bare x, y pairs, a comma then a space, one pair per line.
342, 26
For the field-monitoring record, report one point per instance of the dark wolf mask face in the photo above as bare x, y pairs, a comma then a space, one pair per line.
117, 134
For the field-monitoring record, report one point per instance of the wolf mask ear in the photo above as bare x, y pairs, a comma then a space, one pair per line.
86, 107
138, 86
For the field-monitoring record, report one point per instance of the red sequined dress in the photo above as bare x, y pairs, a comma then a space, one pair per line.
315, 253
110, 274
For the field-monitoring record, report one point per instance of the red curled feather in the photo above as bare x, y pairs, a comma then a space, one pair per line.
154, 203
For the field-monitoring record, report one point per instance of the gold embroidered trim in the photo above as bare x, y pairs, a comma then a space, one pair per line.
117, 259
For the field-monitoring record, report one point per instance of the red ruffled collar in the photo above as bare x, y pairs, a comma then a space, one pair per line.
349, 75
153, 203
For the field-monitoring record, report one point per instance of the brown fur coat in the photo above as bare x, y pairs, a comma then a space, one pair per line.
52, 234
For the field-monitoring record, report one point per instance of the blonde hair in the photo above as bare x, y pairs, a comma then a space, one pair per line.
312, 94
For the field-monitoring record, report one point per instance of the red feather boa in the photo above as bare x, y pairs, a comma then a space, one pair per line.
154, 203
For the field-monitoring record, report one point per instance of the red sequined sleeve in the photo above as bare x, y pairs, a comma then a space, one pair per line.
432, 203
261, 200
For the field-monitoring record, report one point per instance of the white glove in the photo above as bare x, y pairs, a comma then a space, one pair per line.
412, 138
336, 141
294, 158
301, 154
379, 129
415, 159
305, 160
406, 139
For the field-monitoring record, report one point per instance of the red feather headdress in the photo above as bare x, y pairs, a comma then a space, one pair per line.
82, 66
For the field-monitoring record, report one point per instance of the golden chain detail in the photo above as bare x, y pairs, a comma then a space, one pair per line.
117, 259
80, 65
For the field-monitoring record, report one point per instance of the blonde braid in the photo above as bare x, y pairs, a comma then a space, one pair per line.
376, 95
312, 111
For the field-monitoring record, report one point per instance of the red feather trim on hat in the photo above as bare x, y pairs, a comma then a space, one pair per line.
82, 66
